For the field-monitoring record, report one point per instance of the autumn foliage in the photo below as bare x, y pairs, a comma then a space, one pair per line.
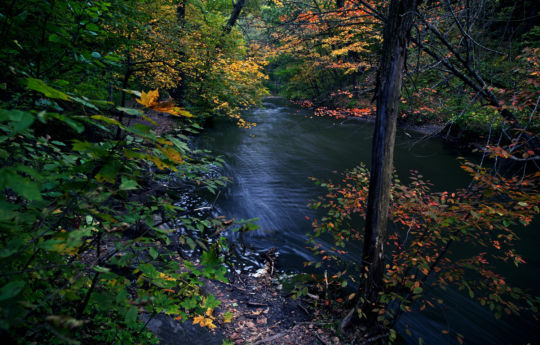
425, 249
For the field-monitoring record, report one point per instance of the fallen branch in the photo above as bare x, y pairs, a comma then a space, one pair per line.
373, 339
273, 337
254, 304
319, 338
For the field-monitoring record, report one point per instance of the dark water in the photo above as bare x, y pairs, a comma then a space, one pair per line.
270, 165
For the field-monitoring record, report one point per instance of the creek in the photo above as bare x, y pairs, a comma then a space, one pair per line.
270, 165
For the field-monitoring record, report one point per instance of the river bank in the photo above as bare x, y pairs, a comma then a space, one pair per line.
449, 132
253, 310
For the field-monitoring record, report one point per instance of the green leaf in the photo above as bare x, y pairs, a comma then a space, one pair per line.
39, 86
108, 172
106, 119
128, 184
101, 269
132, 92
18, 120
92, 27
11, 289
131, 315
190, 243
78, 127
210, 258
211, 302
392, 335
153, 253
55, 38
190, 303
84, 102
130, 111
22, 186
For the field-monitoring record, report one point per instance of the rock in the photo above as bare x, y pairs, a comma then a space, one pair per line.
172, 332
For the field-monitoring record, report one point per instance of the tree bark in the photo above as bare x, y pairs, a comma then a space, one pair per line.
181, 13
234, 16
389, 79
178, 92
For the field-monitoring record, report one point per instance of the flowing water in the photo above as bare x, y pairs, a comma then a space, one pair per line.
270, 165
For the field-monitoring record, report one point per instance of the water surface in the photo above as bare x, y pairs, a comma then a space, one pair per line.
270, 165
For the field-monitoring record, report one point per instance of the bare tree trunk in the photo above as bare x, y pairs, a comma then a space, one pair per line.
234, 16
389, 78
181, 13
178, 92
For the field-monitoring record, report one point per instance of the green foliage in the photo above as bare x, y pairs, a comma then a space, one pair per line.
86, 190
80, 252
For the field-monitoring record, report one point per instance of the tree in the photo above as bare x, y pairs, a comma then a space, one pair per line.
423, 249
178, 92
401, 15
326, 52
461, 74
238, 5
379, 285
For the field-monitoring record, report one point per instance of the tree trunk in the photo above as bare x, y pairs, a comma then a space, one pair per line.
389, 78
178, 92
234, 16
181, 13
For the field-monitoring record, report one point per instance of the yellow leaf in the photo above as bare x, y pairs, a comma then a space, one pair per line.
169, 107
203, 322
172, 154
150, 120
198, 320
227, 317
158, 162
166, 277
209, 312
184, 112
165, 142
106, 120
149, 99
